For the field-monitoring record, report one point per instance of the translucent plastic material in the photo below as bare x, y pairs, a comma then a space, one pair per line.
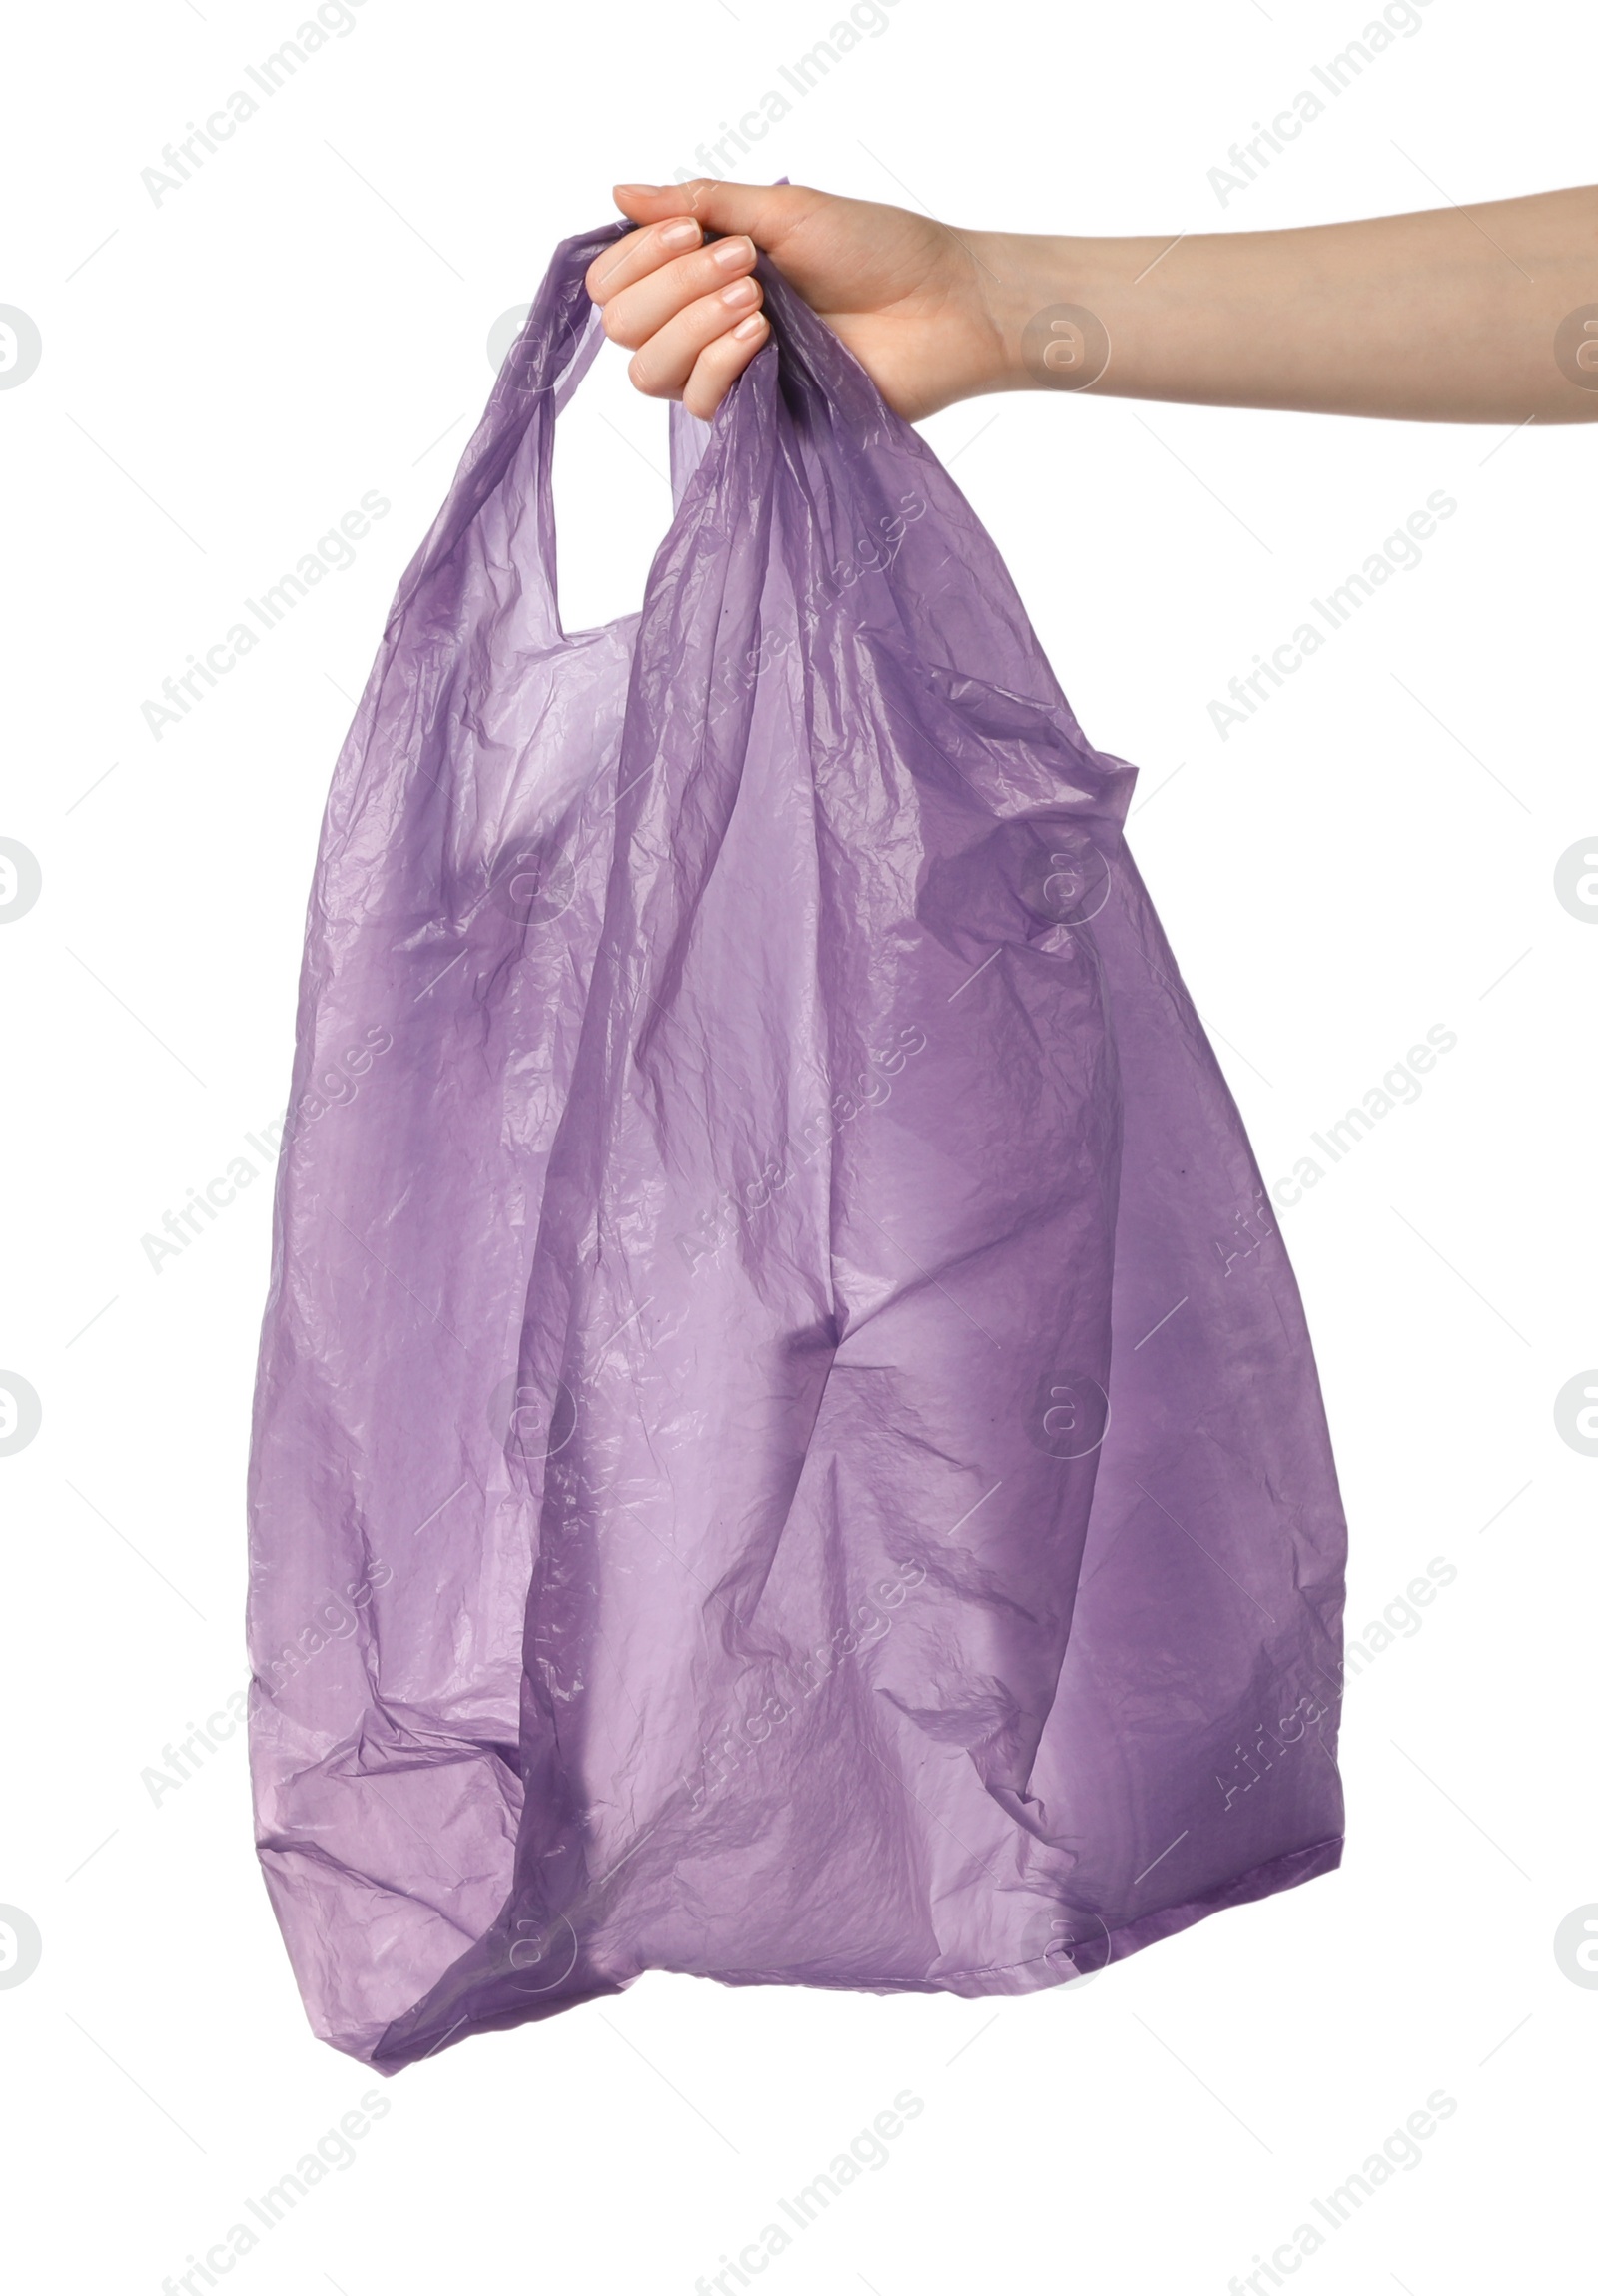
786, 1444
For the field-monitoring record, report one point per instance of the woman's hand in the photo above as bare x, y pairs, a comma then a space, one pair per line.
1446, 316
913, 299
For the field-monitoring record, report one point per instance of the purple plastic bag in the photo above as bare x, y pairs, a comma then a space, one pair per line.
786, 1444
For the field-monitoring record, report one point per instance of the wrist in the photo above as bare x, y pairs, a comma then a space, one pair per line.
997, 306
1042, 329
1063, 339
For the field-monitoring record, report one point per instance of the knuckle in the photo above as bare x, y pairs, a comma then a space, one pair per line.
608, 271
643, 377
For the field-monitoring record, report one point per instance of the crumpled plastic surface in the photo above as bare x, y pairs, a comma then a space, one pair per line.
786, 1444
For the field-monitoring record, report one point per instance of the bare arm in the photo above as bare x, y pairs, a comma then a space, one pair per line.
1452, 315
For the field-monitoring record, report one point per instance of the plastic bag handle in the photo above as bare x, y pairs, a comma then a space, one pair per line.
550, 357
563, 329
554, 349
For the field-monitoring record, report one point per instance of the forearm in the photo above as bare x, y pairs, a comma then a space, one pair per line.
1446, 316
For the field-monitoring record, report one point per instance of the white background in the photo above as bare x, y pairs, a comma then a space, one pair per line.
222, 375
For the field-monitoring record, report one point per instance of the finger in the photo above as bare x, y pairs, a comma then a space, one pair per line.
639, 254
769, 212
720, 363
660, 370
643, 309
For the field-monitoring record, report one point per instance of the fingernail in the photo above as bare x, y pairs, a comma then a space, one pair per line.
741, 291
729, 253
748, 326
682, 234
640, 191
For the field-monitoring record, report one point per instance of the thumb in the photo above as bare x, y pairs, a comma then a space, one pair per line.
768, 213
